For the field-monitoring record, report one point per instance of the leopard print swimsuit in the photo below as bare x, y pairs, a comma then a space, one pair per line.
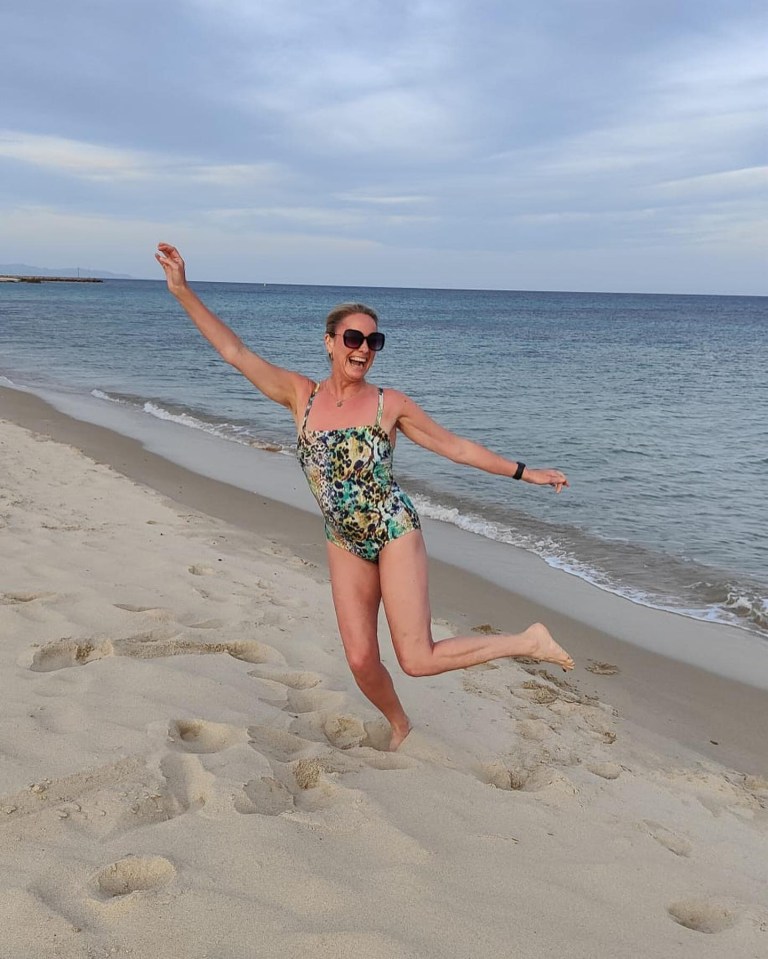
349, 471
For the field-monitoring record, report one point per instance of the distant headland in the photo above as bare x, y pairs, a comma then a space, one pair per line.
24, 273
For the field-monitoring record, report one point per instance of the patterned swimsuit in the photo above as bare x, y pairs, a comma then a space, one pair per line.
349, 471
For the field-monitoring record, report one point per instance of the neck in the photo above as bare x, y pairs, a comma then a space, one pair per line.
342, 391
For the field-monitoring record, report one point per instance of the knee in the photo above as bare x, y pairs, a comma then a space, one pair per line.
416, 666
363, 663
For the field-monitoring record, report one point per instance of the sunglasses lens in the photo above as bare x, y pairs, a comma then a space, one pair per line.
353, 340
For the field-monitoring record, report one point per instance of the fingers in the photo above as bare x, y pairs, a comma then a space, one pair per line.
168, 253
554, 478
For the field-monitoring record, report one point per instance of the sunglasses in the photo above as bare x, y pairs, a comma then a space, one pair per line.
354, 339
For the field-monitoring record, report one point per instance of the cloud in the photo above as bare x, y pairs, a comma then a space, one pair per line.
73, 158
752, 180
383, 200
94, 162
423, 134
408, 124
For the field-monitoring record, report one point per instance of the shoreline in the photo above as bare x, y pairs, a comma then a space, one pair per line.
716, 716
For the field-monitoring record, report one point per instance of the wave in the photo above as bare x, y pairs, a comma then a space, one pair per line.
621, 566
234, 432
715, 599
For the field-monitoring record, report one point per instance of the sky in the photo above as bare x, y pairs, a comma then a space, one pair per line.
614, 145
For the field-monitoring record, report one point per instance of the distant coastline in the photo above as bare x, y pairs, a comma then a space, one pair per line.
50, 279
26, 273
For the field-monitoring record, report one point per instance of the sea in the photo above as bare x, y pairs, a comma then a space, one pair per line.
656, 406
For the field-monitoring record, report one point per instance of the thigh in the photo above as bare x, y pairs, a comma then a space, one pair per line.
405, 590
356, 598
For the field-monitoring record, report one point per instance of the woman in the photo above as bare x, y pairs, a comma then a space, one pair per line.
346, 433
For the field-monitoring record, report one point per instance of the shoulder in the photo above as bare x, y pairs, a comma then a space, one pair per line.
397, 403
403, 408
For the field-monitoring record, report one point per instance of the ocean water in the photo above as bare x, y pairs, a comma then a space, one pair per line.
655, 406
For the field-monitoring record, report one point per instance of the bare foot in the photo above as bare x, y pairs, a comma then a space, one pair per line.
545, 649
398, 735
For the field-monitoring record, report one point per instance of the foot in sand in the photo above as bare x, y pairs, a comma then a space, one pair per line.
398, 735
544, 648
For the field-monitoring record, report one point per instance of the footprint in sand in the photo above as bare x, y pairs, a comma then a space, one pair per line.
154, 644
294, 680
201, 736
344, 732
539, 693
134, 874
369, 740
303, 773
534, 730
554, 680
278, 744
198, 569
70, 652
602, 669
668, 839
265, 796
187, 781
312, 700
703, 915
16, 599
518, 777
251, 651
155, 612
757, 787
605, 770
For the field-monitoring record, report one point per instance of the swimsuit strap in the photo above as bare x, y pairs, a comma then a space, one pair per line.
310, 401
380, 410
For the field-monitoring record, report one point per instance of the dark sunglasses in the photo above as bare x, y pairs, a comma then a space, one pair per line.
354, 339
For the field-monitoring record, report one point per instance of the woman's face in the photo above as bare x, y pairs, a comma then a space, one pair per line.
352, 363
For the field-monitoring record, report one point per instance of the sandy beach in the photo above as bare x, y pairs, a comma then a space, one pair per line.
187, 768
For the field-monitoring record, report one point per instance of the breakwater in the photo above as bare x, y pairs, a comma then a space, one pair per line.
50, 279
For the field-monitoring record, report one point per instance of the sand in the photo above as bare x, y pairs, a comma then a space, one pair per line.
187, 768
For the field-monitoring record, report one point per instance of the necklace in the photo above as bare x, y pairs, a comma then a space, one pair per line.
342, 401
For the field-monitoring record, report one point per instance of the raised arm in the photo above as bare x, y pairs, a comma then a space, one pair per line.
422, 429
281, 385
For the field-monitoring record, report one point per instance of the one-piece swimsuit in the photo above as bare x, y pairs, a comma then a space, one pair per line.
349, 471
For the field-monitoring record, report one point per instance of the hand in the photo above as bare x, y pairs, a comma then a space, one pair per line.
546, 477
170, 259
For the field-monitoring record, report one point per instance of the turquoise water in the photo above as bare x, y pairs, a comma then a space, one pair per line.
655, 406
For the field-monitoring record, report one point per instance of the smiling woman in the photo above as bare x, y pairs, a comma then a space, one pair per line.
375, 546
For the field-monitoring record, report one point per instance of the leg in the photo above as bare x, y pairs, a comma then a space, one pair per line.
404, 589
356, 598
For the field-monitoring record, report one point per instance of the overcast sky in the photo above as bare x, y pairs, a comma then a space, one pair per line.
514, 144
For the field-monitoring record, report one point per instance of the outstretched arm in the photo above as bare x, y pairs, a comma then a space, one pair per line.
278, 384
422, 429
